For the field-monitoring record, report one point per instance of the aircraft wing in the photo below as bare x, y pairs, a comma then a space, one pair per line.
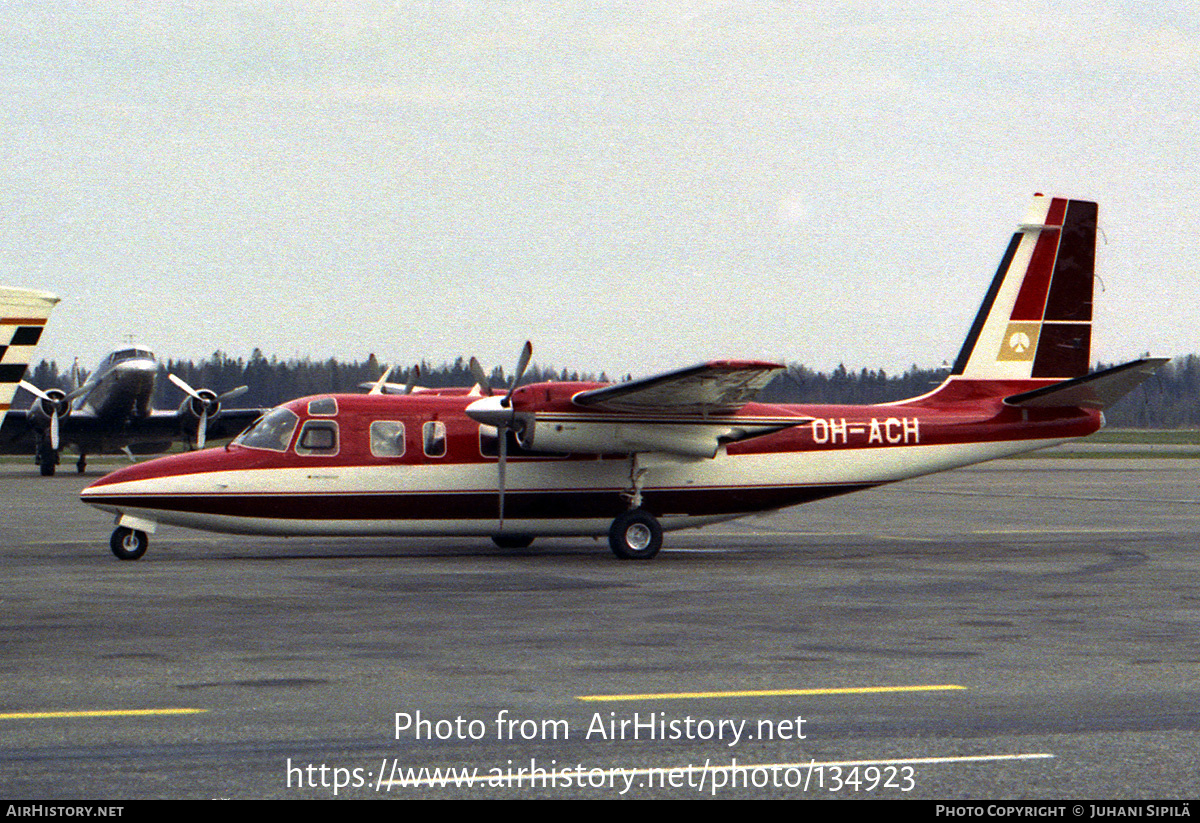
16, 436
689, 413
93, 435
165, 425
719, 387
1098, 390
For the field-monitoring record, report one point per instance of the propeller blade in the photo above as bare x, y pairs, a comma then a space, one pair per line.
502, 431
34, 390
522, 365
84, 389
181, 383
232, 393
54, 432
202, 429
377, 388
479, 377
414, 374
499, 413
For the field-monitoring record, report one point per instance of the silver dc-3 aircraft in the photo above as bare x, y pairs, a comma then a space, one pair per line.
110, 413
633, 460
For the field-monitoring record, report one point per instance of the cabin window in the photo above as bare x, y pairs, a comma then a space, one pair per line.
318, 437
387, 438
323, 407
435, 438
272, 431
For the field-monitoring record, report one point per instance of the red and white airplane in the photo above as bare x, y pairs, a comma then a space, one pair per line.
635, 459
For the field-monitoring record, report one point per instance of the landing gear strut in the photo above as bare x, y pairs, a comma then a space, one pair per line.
128, 544
635, 534
46, 458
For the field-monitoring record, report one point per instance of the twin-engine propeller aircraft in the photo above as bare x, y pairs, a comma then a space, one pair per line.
23, 315
111, 413
635, 459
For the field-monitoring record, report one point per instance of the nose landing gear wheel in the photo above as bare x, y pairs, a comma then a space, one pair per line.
513, 541
128, 544
635, 535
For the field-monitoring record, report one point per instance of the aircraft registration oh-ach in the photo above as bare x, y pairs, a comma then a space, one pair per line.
634, 459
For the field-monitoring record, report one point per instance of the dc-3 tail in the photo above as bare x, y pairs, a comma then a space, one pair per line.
1031, 339
23, 314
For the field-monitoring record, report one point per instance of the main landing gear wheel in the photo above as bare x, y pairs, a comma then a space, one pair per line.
47, 460
513, 541
635, 535
128, 544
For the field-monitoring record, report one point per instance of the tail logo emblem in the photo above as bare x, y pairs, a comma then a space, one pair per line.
1019, 343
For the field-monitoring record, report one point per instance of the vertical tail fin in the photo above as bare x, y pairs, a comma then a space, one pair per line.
23, 314
1036, 321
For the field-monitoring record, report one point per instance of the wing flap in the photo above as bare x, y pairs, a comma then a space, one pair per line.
716, 387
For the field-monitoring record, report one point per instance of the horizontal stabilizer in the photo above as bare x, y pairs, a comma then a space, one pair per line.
1098, 390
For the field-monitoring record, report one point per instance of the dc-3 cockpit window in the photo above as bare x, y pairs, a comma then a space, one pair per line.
387, 438
272, 431
318, 437
122, 355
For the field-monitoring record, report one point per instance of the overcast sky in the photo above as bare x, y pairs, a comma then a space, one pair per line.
633, 186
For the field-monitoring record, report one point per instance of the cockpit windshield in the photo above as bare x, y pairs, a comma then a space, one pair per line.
272, 431
122, 355
132, 354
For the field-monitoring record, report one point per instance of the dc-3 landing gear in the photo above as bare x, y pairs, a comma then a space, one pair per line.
635, 534
128, 544
46, 458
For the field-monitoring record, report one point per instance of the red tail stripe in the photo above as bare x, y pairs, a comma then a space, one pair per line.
1031, 300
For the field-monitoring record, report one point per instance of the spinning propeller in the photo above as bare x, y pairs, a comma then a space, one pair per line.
499, 413
209, 404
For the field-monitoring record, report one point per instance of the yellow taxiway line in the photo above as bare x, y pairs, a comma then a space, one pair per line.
768, 693
97, 713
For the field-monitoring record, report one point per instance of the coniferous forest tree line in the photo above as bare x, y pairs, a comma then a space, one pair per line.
1169, 399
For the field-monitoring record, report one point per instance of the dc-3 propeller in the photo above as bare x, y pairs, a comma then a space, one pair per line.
205, 403
498, 412
55, 404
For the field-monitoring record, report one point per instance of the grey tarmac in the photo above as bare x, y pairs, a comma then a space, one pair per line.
1049, 609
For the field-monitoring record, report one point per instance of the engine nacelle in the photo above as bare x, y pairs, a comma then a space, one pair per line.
698, 441
193, 408
53, 404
